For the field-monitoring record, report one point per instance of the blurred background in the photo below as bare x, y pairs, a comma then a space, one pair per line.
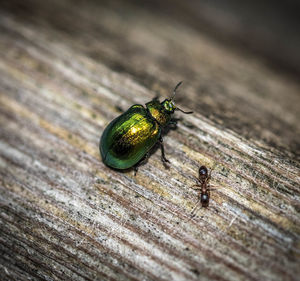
266, 28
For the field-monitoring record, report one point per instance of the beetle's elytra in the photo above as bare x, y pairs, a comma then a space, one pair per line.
128, 138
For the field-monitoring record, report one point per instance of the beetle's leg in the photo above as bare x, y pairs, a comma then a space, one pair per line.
173, 124
141, 162
163, 157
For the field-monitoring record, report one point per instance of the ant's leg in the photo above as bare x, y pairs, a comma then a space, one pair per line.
199, 187
193, 210
211, 169
214, 187
209, 175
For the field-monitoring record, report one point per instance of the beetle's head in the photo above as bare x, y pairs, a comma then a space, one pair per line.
169, 104
162, 111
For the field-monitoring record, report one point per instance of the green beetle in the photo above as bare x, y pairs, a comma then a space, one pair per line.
127, 140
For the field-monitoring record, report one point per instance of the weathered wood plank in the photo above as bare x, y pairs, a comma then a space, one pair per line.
65, 216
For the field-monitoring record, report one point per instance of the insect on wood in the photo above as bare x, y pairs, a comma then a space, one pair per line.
126, 141
203, 186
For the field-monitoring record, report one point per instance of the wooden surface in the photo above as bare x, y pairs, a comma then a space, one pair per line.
66, 70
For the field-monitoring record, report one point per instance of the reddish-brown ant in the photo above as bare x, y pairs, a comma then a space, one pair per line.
203, 186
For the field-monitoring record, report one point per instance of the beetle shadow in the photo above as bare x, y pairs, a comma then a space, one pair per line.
141, 163
119, 109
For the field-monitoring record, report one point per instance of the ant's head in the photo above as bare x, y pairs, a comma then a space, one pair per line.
203, 173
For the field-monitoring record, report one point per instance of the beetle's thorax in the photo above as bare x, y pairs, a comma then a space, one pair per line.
159, 112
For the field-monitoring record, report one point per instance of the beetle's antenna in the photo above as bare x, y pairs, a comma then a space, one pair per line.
176, 87
186, 112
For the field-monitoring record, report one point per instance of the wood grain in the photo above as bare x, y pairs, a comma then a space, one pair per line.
65, 72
